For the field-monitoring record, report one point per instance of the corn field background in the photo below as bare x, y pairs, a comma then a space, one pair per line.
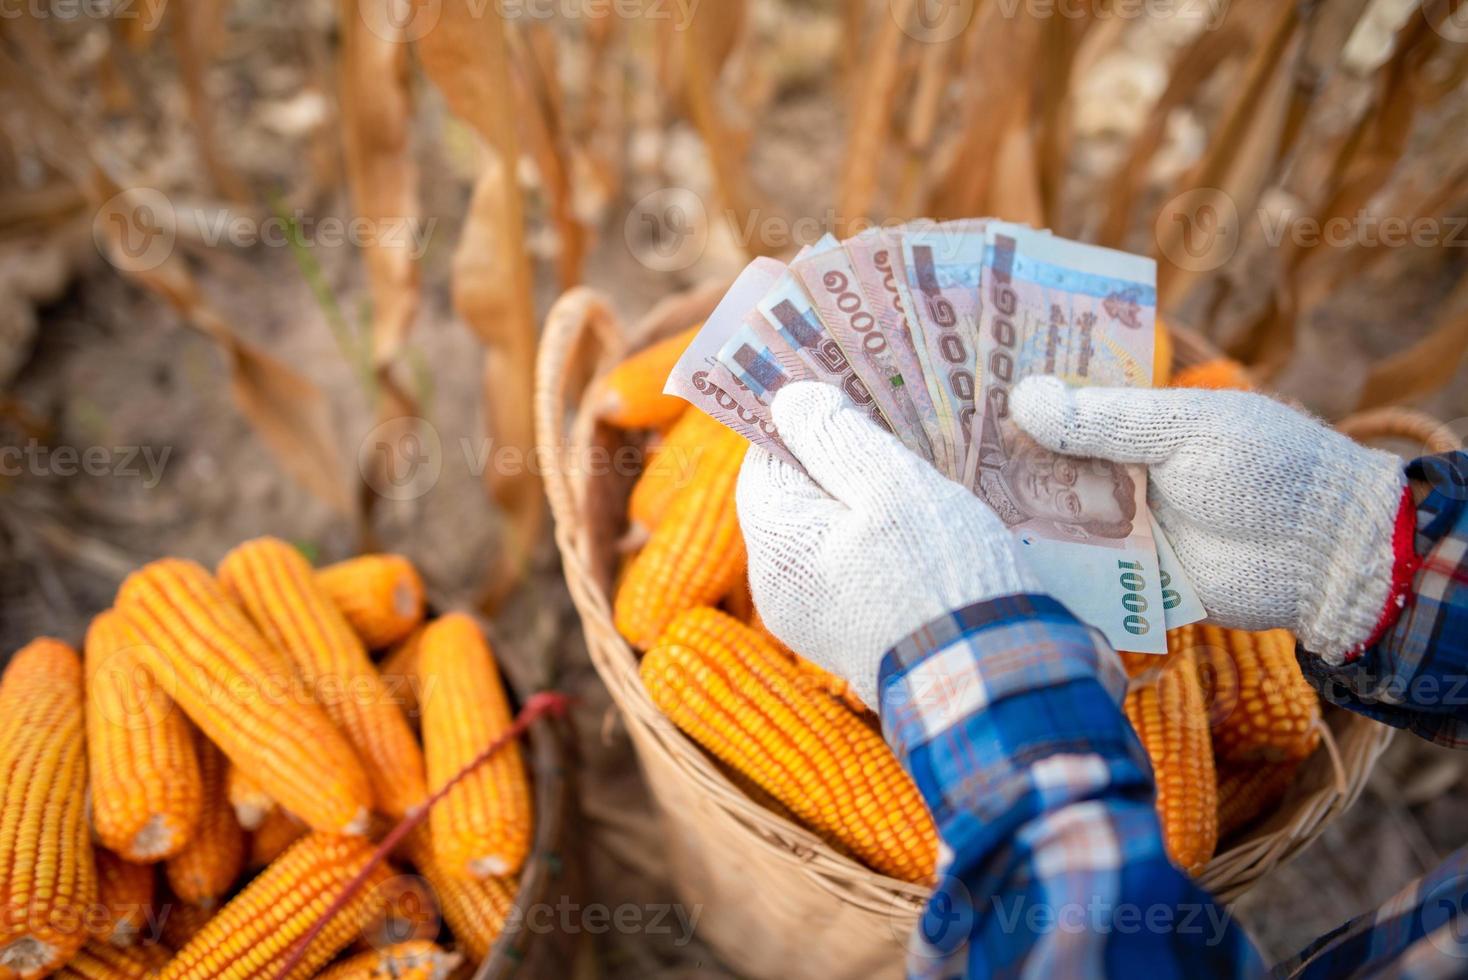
272, 266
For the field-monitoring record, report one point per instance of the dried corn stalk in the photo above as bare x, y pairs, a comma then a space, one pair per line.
466, 56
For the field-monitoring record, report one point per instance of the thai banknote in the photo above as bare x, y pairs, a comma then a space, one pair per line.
876, 256
840, 301
758, 357
942, 270
701, 380
788, 308
1084, 314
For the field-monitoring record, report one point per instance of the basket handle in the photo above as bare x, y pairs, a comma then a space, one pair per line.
580, 338
1401, 423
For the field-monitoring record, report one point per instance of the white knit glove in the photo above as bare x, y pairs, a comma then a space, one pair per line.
1278, 520
884, 545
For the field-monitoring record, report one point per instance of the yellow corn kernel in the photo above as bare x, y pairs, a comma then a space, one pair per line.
631, 395
250, 801
399, 672
1247, 792
98, 960
695, 556
476, 911
1263, 708
415, 960
124, 899
482, 827
208, 866
140, 749
380, 595
670, 469
1170, 718
253, 934
748, 704
48, 878
272, 581
244, 694
278, 831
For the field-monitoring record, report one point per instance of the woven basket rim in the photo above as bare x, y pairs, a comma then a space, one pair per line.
581, 340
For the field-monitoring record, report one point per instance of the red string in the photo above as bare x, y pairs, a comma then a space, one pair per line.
539, 704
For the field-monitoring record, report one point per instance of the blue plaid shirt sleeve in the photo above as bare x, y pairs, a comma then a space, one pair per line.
1416, 676
1007, 714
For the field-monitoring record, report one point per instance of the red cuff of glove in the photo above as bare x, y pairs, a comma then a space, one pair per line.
1405, 563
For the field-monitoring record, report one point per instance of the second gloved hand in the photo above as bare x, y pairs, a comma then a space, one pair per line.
1278, 520
872, 546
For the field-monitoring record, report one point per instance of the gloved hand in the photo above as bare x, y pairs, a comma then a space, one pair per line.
1278, 520
878, 546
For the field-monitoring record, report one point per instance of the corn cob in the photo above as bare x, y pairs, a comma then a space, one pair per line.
98, 960
744, 701
272, 581
399, 671
631, 395
253, 935
179, 922
380, 595
482, 827
670, 469
1161, 355
476, 911
409, 913
1216, 374
1247, 792
140, 749
243, 694
1171, 720
1265, 709
813, 676
416, 960
206, 869
124, 899
250, 801
48, 877
696, 554
278, 831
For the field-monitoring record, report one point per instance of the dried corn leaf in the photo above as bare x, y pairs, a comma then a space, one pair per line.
468, 59
871, 117
1427, 365
285, 409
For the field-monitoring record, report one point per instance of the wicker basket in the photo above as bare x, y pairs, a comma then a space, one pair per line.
776, 900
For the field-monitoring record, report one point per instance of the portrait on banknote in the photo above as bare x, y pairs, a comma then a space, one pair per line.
1082, 499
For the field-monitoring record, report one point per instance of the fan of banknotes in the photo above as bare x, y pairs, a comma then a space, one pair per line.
926, 327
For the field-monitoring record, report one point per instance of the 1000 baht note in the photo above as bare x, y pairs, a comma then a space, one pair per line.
942, 269
1084, 314
702, 381
876, 256
843, 308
